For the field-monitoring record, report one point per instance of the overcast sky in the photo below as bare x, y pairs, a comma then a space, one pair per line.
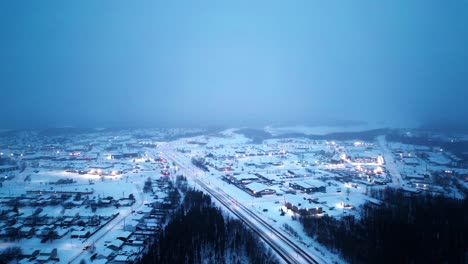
199, 63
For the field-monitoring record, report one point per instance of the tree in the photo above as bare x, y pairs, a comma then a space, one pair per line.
199, 233
52, 235
12, 233
148, 187
77, 197
10, 254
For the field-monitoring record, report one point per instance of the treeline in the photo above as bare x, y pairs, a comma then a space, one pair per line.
458, 147
200, 163
9, 254
199, 233
415, 229
257, 136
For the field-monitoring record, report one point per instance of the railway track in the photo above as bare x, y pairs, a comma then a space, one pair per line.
224, 199
280, 243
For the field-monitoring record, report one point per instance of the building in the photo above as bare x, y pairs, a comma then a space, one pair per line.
308, 186
413, 161
301, 207
29, 252
7, 168
265, 179
47, 255
258, 189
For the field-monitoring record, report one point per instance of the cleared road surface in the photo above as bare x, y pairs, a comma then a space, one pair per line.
390, 162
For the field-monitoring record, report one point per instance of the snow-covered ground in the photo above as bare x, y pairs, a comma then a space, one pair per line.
279, 181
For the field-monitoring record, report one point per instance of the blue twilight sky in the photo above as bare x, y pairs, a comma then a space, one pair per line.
184, 63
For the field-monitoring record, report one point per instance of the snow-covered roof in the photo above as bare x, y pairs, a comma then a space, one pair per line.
257, 187
116, 243
7, 167
121, 258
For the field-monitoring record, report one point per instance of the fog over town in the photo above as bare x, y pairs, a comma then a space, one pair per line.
233, 131
236, 63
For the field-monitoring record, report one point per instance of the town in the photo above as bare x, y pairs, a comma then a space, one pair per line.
102, 195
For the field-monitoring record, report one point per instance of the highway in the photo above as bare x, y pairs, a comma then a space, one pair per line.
288, 250
390, 162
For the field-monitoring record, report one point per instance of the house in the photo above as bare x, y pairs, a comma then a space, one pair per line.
46, 255
94, 220
420, 185
68, 220
102, 166
116, 156
126, 202
7, 168
264, 178
49, 252
121, 259
28, 253
13, 231
80, 234
122, 235
301, 207
105, 202
411, 161
365, 159
243, 178
132, 250
62, 232
130, 155
26, 231
308, 186
138, 243
99, 260
116, 244
105, 254
258, 189
380, 182
419, 177
42, 232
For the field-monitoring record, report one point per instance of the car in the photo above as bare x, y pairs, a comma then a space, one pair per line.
265, 210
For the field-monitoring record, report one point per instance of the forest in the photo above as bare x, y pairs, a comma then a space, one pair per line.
405, 229
199, 233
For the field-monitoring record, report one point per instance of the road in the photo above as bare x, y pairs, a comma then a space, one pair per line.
288, 250
112, 225
390, 162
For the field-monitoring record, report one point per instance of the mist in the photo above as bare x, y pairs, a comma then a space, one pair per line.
233, 63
